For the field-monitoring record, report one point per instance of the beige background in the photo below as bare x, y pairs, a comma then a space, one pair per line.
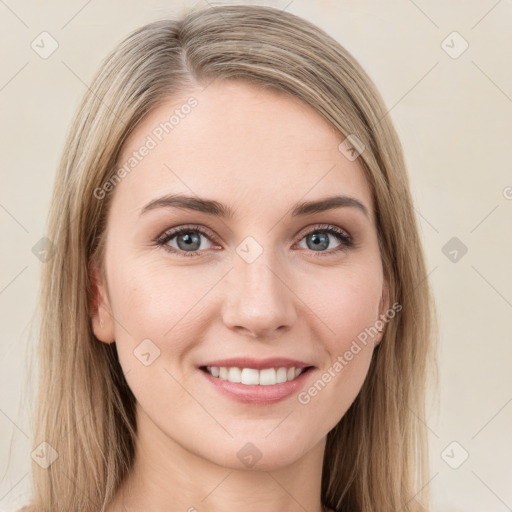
454, 117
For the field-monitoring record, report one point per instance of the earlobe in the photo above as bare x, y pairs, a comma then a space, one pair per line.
383, 308
384, 299
99, 305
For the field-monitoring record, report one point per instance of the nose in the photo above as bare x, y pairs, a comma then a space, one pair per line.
259, 301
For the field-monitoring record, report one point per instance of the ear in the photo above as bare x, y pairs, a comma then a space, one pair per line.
99, 305
383, 308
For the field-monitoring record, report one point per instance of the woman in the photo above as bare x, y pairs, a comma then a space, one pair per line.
237, 312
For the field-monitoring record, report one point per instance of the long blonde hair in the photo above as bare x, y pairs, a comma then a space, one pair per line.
376, 456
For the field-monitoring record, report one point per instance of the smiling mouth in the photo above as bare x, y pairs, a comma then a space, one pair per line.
254, 377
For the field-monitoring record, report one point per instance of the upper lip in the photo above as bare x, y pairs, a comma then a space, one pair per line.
258, 364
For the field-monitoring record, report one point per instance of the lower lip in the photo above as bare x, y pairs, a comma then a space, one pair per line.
258, 394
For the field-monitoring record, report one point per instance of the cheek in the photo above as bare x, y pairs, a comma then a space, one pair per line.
348, 306
349, 310
170, 307
347, 302
157, 322
156, 300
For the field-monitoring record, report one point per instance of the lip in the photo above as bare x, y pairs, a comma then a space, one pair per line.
257, 394
258, 364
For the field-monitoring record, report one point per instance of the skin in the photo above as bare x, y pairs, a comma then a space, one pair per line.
260, 153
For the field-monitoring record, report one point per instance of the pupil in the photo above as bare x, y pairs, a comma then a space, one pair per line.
320, 241
190, 239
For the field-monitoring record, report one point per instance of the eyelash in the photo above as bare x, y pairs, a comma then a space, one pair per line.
341, 235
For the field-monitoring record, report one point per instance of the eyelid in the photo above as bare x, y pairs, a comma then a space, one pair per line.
346, 241
172, 232
323, 227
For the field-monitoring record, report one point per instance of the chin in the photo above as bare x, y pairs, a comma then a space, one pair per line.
259, 454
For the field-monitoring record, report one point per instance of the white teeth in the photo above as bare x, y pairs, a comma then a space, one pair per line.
281, 375
250, 376
267, 377
234, 374
253, 377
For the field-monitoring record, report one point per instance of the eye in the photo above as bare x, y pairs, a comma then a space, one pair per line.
319, 239
188, 240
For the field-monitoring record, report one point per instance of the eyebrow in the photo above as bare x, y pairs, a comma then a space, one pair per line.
217, 209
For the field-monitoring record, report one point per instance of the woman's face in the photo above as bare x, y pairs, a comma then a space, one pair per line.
265, 289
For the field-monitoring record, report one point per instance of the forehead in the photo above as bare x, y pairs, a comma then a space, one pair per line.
240, 144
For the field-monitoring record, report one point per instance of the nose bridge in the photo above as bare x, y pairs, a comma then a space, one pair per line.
258, 298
